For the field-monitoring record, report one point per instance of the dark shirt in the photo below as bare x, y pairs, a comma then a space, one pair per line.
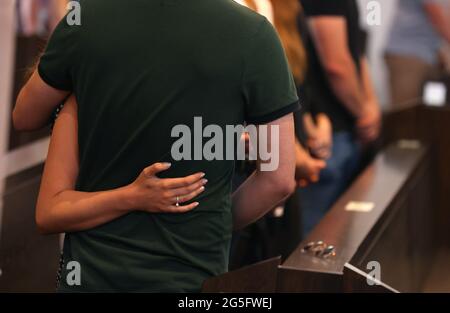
320, 96
138, 68
300, 131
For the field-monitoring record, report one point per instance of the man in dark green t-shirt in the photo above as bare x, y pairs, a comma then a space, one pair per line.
138, 69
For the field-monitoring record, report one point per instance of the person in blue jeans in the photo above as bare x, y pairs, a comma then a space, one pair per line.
316, 199
338, 85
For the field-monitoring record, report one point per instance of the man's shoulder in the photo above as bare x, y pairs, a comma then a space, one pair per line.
215, 15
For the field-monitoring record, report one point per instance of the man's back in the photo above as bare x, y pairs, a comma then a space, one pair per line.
138, 69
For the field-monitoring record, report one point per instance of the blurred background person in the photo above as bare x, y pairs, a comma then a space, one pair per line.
315, 135
263, 7
287, 17
278, 233
39, 17
419, 28
339, 85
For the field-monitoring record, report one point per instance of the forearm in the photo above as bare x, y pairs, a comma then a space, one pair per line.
253, 199
330, 38
439, 18
444, 29
369, 91
71, 211
266, 188
345, 83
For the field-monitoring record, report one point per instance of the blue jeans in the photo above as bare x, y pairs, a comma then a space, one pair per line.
317, 199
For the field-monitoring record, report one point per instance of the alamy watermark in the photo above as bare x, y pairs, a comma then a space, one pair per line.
373, 10
214, 142
373, 16
73, 17
374, 275
73, 277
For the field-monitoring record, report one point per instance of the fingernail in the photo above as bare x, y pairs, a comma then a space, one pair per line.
202, 188
204, 181
167, 164
202, 175
196, 204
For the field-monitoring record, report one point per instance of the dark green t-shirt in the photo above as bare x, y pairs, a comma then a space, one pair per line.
138, 68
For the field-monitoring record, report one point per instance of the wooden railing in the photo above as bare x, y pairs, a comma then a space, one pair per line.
402, 215
372, 227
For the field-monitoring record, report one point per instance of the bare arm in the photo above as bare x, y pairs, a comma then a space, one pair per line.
36, 103
59, 208
369, 125
354, 91
439, 18
262, 191
62, 209
330, 39
369, 91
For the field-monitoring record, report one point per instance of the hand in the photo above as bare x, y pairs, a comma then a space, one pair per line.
320, 135
307, 169
369, 124
156, 195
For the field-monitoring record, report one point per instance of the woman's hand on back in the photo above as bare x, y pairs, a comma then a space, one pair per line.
152, 194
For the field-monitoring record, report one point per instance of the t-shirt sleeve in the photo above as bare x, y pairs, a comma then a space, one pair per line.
268, 85
58, 61
324, 7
